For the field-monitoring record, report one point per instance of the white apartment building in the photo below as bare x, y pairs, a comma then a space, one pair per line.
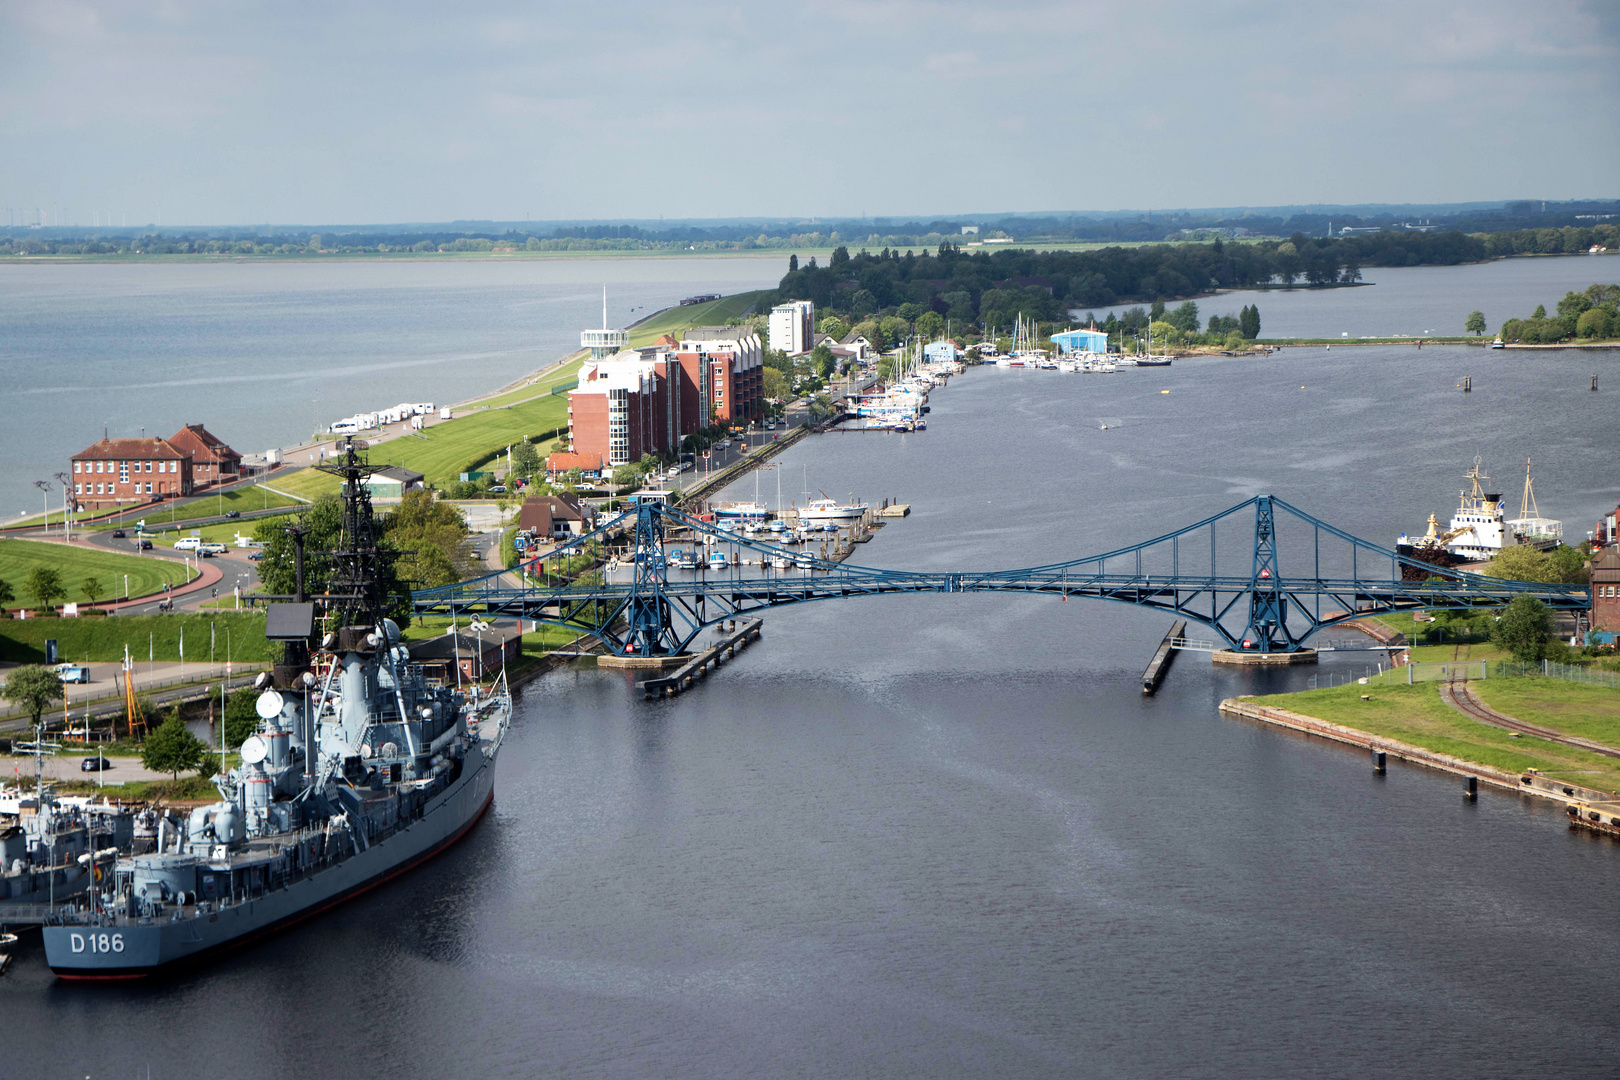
792, 326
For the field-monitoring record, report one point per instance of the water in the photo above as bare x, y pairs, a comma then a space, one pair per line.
264, 353
946, 835
1412, 300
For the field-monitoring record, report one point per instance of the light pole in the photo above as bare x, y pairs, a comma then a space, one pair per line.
45, 494
67, 497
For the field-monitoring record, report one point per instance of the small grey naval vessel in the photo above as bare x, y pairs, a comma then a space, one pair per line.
362, 768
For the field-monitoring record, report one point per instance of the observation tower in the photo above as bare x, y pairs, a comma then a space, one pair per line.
603, 342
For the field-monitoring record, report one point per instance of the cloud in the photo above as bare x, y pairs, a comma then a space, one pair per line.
422, 111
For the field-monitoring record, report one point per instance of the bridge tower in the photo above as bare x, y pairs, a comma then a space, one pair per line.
1267, 630
647, 609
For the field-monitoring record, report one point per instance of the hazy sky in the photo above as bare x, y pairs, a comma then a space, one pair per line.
244, 112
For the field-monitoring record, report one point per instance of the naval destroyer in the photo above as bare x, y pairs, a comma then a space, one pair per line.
362, 767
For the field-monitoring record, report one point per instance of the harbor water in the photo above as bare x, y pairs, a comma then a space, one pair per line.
948, 835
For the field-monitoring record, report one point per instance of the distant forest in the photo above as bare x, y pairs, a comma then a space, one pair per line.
991, 287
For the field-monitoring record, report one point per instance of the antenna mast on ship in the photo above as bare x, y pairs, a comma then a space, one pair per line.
1527, 502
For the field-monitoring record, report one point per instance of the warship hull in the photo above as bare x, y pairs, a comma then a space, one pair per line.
124, 951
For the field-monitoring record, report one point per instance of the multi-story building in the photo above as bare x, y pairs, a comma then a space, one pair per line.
212, 462
792, 327
117, 471
733, 371
628, 404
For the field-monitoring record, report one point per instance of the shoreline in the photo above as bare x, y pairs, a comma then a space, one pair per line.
1529, 782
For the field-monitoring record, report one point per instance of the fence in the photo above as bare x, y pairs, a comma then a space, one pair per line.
1568, 672
1411, 674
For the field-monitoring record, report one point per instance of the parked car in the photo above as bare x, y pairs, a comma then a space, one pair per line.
73, 673
233, 513
95, 764
118, 534
498, 489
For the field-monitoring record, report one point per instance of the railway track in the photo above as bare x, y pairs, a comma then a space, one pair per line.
1458, 695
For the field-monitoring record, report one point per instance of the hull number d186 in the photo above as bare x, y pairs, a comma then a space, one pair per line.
97, 943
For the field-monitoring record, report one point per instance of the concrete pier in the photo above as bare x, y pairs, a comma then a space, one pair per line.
1232, 656
1160, 664
696, 666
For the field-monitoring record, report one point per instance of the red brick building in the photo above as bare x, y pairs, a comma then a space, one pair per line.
212, 462
117, 471
1606, 590
733, 371
633, 403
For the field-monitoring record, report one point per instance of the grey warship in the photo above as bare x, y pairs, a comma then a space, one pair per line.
362, 768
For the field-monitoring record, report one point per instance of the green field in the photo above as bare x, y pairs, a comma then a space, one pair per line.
158, 636
1416, 715
539, 384
447, 449
146, 574
674, 320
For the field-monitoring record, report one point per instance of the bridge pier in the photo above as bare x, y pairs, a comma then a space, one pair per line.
1263, 659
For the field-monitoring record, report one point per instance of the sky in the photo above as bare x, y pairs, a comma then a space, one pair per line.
290, 112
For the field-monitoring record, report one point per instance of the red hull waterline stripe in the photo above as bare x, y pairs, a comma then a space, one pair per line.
276, 927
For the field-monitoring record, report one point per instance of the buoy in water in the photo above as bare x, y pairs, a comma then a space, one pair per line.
1164, 391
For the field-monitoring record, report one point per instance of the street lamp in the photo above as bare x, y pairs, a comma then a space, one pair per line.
45, 494
67, 497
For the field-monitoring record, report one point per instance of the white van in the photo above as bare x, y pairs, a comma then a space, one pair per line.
188, 543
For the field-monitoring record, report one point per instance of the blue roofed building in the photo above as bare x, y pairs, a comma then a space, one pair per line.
1073, 341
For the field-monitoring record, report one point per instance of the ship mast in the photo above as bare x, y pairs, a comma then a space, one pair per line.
1527, 502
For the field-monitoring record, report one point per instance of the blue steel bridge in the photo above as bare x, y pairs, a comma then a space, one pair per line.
1264, 576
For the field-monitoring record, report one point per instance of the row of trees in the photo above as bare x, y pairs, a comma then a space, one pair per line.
1593, 315
994, 288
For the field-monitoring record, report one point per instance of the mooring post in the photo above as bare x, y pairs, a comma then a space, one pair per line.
1378, 762
1471, 789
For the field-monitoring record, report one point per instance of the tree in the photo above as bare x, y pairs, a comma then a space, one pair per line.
525, 458
793, 263
91, 587
626, 476
930, 325
1540, 312
241, 716
173, 749
6, 595
44, 585
776, 383
821, 358
1524, 629
32, 687
1249, 321
1475, 323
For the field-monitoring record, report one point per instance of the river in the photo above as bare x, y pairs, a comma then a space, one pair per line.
264, 352
947, 835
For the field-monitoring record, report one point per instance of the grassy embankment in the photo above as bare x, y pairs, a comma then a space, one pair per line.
1416, 715
146, 574
445, 450
23, 640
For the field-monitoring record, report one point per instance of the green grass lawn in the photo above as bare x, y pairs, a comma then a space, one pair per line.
542, 384
146, 574
309, 484
444, 451
676, 319
1590, 712
1416, 715
23, 640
